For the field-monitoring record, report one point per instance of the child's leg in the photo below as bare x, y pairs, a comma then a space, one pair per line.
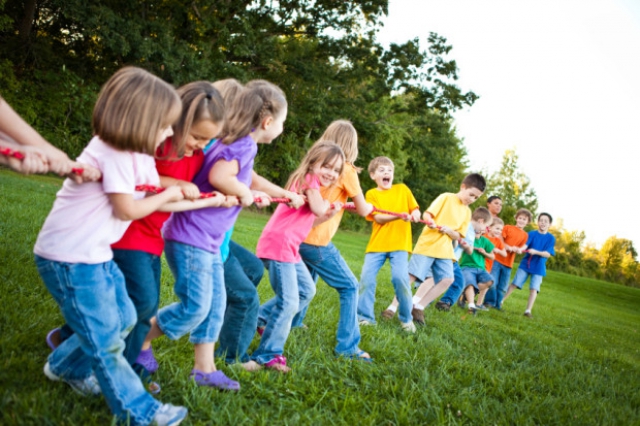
518, 282
97, 308
469, 295
327, 262
283, 279
372, 264
425, 287
534, 288
484, 287
306, 285
532, 299
455, 290
502, 283
442, 274
242, 274
399, 261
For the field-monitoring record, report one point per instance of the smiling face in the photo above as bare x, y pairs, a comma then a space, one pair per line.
522, 221
383, 176
496, 229
200, 134
543, 223
329, 171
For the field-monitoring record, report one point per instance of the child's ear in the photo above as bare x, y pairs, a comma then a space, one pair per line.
266, 122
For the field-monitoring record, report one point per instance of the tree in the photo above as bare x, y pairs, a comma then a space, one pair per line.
513, 186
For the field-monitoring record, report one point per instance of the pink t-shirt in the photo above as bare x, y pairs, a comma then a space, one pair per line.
81, 226
286, 230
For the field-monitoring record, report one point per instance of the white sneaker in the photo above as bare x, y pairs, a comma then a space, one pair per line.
409, 327
365, 322
85, 387
169, 415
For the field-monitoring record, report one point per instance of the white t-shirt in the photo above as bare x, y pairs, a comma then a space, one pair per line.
81, 226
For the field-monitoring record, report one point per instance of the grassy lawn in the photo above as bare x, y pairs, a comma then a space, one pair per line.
576, 362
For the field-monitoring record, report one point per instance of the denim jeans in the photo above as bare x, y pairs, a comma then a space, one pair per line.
399, 261
94, 302
142, 278
242, 274
501, 275
199, 285
294, 288
453, 293
327, 262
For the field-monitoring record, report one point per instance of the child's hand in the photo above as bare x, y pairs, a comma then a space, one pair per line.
480, 250
230, 201
59, 162
246, 199
217, 199
406, 217
415, 216
89, 173
174, 192
265, 200
297, 200
190, 190
444, 229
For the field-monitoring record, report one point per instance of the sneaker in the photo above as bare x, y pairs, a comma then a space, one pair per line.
443, 306
418, 316
388, 314
482, 308
462, 303
216, 379
169, 415
366, 322
528, 315
85, 387
409, 327
473, 309
147, 360
279, 364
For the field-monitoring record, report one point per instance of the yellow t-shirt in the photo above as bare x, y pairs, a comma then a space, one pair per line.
395, 235
348, 186
449, 211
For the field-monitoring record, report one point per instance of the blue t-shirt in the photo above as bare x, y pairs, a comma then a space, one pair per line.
535, 264
469, 238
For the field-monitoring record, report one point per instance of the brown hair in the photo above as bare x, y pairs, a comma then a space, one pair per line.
200, 101
524, 212
133, 107
229, 89
345, 136
259, 99
482, 213
324, 152
379, 161
475, 180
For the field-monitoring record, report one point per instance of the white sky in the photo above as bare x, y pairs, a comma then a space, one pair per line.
559, 81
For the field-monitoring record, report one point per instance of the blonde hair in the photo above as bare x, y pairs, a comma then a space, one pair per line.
200, 101
377, 162
133, 107
324, 152
345, 136
258, 100
497, 221
482, 213
229, 89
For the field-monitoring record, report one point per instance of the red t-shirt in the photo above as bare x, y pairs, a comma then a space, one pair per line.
145, 234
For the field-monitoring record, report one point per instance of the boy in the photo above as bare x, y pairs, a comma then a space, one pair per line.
390, 239
449, 216
476, 277
494, 205
540, 247
515, 240
495, 236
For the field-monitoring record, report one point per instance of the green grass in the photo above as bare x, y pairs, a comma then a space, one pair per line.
576, 362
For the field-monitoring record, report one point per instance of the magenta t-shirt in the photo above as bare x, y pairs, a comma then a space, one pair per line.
287, 229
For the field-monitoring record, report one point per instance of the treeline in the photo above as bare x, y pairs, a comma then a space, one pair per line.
324, 54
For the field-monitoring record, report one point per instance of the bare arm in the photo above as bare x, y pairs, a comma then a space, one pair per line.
184, 205
125, 207
363, 208
224, 177
259, 183
544, 254
317, 204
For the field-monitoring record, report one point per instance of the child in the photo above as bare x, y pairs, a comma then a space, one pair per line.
539, 248
193, 238
390, 239
494, 205
322, 257
433, 254
132, 116
515, 240
495, 236
278, 248
138, 253
476, 277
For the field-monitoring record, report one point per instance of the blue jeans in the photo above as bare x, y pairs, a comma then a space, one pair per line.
327, 262
501, 275
453, 293
94, 302
199, 285
242, 274
141, 272
399, 261
294, 288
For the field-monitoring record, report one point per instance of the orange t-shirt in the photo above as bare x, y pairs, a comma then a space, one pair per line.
512, 236
497, 243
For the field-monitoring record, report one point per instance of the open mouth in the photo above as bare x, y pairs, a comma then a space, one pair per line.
386, 180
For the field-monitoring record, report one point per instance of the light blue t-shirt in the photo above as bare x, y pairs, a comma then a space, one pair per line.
469, 239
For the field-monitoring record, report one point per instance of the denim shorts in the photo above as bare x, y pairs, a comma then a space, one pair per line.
475, 276
521, 278
423, 267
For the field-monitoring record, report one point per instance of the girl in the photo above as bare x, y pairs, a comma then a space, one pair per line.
278, 248
132, 116
323, 258
193, 238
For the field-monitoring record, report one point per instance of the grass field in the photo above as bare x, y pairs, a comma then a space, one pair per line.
576, 362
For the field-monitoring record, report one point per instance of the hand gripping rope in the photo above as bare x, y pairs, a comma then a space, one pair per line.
7, 152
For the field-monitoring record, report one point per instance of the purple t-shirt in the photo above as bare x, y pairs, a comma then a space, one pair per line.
205, 228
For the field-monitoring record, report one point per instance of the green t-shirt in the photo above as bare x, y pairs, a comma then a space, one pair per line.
476, 260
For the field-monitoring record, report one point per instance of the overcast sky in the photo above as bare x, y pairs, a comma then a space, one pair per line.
559, 81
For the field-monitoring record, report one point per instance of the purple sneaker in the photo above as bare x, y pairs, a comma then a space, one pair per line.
147, 360
216, 379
